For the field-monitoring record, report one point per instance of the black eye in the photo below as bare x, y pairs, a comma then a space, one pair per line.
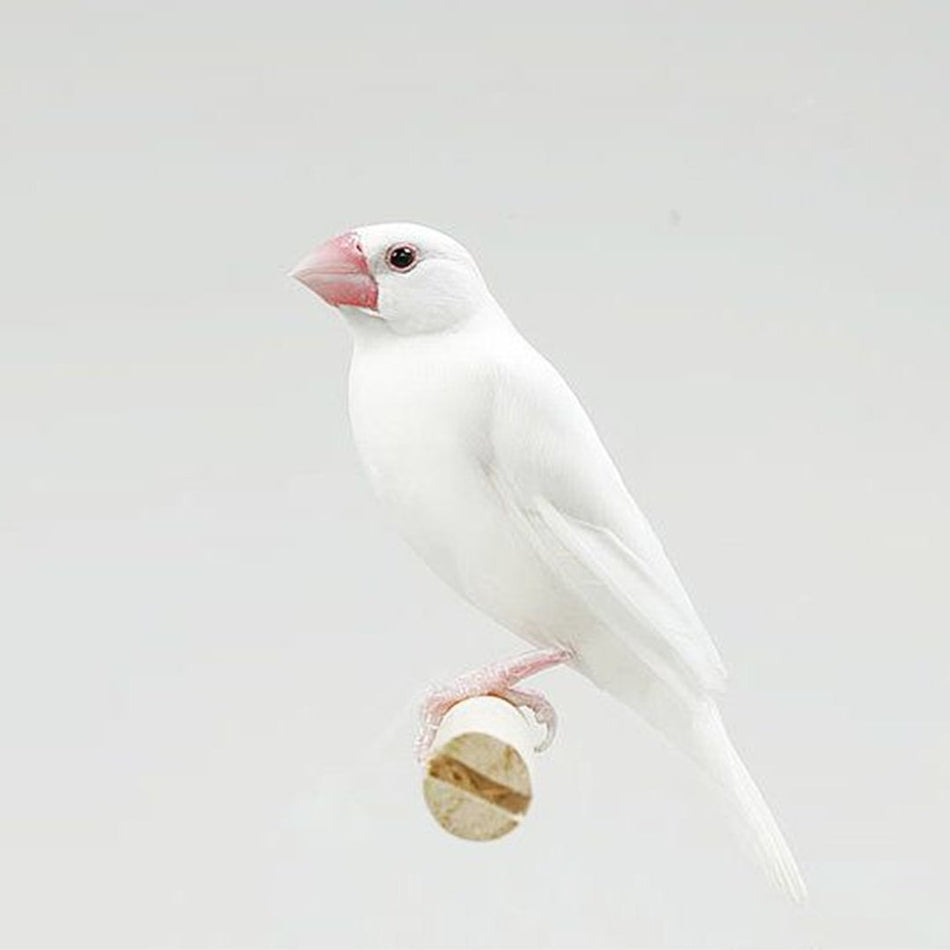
402, 257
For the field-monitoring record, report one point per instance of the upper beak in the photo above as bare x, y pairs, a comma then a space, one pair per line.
337, 271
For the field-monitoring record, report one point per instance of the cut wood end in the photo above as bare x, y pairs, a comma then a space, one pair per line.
477, 783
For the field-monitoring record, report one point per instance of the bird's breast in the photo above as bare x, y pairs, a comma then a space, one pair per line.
418, 433
422, 436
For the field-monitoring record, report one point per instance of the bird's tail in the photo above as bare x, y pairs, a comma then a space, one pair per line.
714, 751
690, 720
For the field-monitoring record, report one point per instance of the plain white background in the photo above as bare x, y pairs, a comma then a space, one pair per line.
725, 223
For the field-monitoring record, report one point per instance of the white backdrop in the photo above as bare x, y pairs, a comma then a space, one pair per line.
725, 223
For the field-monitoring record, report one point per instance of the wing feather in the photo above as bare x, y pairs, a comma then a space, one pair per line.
560, 484
628, 593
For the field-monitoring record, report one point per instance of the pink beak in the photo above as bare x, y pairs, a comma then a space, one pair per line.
337, 271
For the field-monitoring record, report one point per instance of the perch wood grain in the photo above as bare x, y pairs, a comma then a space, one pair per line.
477, 781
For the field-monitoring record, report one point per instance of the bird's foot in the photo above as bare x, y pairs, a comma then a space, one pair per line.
544, 713
498, 679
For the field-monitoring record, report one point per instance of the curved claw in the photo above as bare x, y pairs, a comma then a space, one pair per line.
544, 713
550, 732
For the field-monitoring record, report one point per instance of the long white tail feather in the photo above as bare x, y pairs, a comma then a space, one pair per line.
691, 722
716, 753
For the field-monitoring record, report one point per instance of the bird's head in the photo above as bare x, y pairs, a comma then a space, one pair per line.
406, 277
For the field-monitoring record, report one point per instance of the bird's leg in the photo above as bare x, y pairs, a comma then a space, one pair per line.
497, 679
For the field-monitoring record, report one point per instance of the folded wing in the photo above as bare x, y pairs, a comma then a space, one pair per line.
559, 483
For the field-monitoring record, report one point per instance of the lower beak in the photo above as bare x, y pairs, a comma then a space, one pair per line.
337, 271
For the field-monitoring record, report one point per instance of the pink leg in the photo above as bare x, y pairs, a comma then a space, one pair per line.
497, 679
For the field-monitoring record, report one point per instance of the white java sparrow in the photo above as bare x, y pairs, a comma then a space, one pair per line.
497, 478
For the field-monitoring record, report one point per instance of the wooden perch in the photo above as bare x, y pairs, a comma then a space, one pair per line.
478, 781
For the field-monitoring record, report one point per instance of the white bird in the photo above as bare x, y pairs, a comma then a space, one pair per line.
497, 478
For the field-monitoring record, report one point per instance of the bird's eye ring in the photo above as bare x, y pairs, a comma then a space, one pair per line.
402, 257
